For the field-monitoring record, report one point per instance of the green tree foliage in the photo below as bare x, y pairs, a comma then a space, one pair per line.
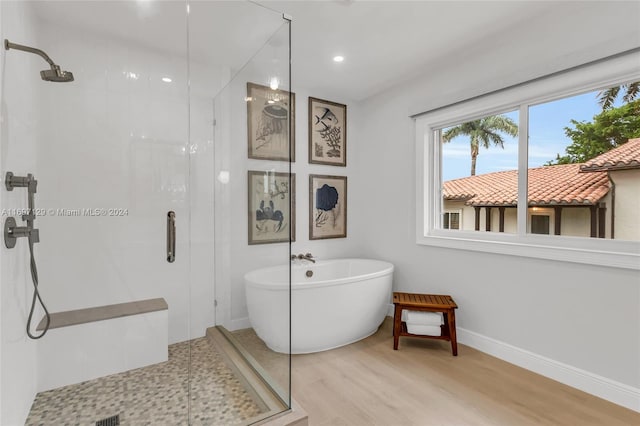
609, 129
482, 132
607, 97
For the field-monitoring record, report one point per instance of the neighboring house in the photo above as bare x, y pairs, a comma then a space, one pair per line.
622, 166
599, 198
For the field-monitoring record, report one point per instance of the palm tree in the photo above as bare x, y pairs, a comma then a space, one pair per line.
607, 97
483, 132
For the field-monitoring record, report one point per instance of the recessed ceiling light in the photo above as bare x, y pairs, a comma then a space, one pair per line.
274, 83
166, 79
338, 58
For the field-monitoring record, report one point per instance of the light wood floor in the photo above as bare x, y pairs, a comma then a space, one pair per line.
368, 383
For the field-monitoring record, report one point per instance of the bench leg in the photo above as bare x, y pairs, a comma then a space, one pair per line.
397, 322
452, 331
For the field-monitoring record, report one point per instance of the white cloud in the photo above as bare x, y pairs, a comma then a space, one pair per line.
449, 151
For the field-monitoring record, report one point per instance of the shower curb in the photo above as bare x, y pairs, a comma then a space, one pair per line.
257, 383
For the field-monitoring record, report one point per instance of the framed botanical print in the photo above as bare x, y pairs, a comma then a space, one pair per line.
269, 124
327, 132
327, 207
271, 207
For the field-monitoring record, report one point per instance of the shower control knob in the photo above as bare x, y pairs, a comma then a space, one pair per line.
9, 238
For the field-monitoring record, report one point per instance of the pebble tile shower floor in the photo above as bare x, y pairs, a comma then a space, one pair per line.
155, 395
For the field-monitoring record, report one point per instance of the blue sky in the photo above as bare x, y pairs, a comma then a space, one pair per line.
546, 138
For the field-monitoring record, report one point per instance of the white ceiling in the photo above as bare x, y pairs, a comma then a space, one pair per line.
220, 32
384, 42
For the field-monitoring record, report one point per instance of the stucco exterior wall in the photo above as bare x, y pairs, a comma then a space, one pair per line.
627, 204
576, 222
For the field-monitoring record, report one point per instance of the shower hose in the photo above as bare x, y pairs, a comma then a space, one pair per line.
36, 296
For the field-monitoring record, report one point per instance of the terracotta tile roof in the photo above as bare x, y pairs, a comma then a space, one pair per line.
626, 156
549, 185
498, 188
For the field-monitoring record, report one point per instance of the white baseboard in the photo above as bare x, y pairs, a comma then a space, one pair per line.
390, 310
602, 387
239, 324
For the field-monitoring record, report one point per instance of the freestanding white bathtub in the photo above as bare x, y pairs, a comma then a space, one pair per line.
333, 303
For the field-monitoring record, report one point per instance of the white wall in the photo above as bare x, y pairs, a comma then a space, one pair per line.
18, 142
110, 140
330, 248
234, 256
202, 224
117, 137
553, 309
113, 140
245, 257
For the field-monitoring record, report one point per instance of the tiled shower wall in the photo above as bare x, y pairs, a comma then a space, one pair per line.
115, 138
18, 147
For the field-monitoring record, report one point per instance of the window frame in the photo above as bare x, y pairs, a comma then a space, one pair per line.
596, 251
450, 212
541, 211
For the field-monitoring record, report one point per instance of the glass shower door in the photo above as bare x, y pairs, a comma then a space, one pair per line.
123, 153
255, 192
110, 152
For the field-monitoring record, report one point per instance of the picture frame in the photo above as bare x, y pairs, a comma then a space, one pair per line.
270, 121
327, 207
271, 207
327, 132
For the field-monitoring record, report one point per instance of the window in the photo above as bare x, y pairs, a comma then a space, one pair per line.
451, 220
579, 163
540, 224
479, 171
523, 199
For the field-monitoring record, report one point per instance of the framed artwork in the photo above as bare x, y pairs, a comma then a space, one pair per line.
327, 207
268, 125
271, 207
327, 132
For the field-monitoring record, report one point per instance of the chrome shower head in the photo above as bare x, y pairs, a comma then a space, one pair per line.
53, 74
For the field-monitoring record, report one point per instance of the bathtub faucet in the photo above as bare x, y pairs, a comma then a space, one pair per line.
307, 256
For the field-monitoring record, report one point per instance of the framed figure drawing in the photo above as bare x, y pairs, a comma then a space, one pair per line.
327, 207
271, 207
327, 132
269, 123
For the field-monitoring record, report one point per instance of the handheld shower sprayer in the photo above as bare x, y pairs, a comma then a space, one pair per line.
53, 74
12, 232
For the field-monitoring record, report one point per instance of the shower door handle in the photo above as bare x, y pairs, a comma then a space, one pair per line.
171, 237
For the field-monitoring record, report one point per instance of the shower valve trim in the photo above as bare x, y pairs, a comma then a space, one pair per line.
11, 231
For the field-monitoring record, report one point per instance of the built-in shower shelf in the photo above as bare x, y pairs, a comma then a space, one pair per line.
85, 344
101, 313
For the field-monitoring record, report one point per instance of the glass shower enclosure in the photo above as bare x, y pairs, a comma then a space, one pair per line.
141, 176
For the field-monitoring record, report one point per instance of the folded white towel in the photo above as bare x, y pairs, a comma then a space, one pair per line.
424, 318
424, 330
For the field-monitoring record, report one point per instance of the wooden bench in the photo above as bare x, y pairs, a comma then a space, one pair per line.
426, 303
